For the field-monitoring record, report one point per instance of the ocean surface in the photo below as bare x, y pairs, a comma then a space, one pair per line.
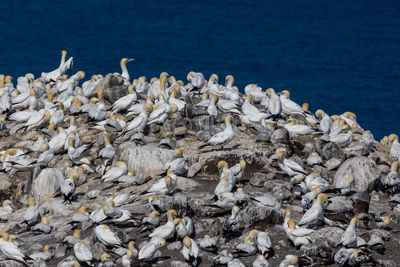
337, 55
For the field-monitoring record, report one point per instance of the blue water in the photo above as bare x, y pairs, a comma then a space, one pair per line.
336, 55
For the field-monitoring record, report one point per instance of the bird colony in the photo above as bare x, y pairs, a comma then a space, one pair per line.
115, 171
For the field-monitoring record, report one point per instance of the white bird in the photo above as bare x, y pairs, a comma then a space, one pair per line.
120, 168
308, 199
391, 180
298, 129
106, 236
190, 250
349, 237
289, 261
289, 106
224, 137
98, 112
108, 151
314, 159
274, 103
196, 79
125, 102
127, 258
224, 185
325, 123
64, 66
212, 108
11, 250
125, 73
260, 261
314, 180
288, 166
167, 230
45, 254
255, 91
140, 122
163, 186
147, 252
83, 253
315, 212
345, 184
68, 187
160, 115
32, 215
223, 258
394, 146
299, 236
261, 240
6, 209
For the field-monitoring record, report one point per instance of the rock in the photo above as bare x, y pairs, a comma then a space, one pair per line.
148, 158
280, 134
142, 177
259, 179
356, 149
155, 128
46, 184
59, 236
263, 137
194, 169
320, 250
366, 173
11, 263
252, 215
332, 164
361, 202
175, 245
61, 249
201, 123
385, 169
178, 264
113, 86
93, 194
180, 131
98, 249
203, 136
332, 150
5, 182
334, 233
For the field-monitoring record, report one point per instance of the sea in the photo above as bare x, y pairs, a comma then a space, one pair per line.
336, 55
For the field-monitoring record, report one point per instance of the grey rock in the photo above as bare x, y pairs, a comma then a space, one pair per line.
59, 236
385, 169
201, 123
259, 179
280, 134
298, 160
11, 263
178, 264
98, 249
180, 131
335, 234
332, 164
93, 194
332, 150
356, 149
142, 177
5, 182
365, 171
113, 86
61, 249
252, 215
263, 137
386, 263
175, 245
215, 130
203, 136
154, 128
39, 263
166, 143
46, 184
361, 202
194, 169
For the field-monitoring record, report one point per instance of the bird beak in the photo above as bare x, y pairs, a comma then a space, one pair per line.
13, 207
130, 59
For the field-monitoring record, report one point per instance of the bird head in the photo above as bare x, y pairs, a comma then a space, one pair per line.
83, 209
305, 106
154, 214
189, 76
291, 224
31, 202
119, 164
222, 164
77, 233
148, 107
105, 257
393, 137
187, 242
178, 153
131, 245
45, 220
46, 248
322, 197
350, 178
174, 108
242, 163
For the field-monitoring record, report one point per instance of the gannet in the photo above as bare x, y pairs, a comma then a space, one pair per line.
57, 141
173, 100
180, 228
205, 101
177, 164
120, 199
274, 103
45, 254
368, 139
68, 187
228, 106
208, 243
349, 237
108, 151
314, 159
127, 259
156, 203
196, 79
325, 123
299, 236
74, 238
212, 108
289, 106
232, 225
11, 250
83, 253
43, 226
46, 155
126, 101
167, 230
75, 154
5, 103
147, 252
64, 66
297, 129
345, 184
160, 115
32, 215
260, 261
394, 146
255, 91
140, 122
289, 261
391, 180
163, 186
98, 112
314, 179
190, 250
315, 212
106, 236
261, 240
224, 137
38, 119
223, 186
223, 257
120, 168
6, 209
125, 73
151, 221
81, 216
308, 199
247, 247
58, 116
288, 166
238, 170
106, 261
